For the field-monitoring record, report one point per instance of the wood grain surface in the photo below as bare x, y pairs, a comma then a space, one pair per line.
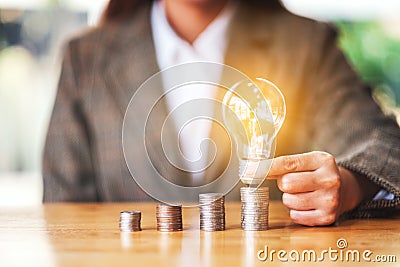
88, 235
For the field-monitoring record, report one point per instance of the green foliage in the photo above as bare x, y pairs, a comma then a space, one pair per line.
375, 54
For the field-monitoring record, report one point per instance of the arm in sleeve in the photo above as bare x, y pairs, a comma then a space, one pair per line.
68, 173
350, 125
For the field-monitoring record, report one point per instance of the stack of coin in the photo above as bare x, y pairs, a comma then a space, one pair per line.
129, 221
169, 218
212, 212
255, 203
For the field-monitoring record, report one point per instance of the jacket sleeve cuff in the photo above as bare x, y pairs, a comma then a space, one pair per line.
375, 207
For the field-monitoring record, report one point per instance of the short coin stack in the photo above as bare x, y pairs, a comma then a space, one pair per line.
212, 212
169, 218
129, 221
255, 203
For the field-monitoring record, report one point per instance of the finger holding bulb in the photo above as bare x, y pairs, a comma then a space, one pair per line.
311, 186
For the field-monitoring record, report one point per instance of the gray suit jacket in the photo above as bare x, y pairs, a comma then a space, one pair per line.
328, 107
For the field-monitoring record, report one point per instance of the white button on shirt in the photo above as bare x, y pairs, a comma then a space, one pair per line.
171, 50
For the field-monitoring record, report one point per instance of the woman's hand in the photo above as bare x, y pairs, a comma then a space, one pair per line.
315, 189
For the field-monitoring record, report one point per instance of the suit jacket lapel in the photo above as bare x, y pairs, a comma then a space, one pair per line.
132, 61
131, 56
250, 37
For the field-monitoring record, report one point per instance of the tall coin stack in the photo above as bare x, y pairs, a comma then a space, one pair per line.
212, 212
129, 221
169, 218
255, 203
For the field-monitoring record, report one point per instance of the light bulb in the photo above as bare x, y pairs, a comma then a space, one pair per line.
254, 113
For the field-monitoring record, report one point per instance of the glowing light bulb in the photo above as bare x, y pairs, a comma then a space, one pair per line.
254, 113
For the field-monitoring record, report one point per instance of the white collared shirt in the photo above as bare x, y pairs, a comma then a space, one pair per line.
172, 50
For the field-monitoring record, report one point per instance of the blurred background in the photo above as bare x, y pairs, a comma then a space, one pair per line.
32, 33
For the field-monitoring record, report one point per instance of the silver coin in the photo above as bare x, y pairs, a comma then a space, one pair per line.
254, 206
129, 221
212, 212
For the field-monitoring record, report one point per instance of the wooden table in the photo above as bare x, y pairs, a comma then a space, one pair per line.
88, 235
